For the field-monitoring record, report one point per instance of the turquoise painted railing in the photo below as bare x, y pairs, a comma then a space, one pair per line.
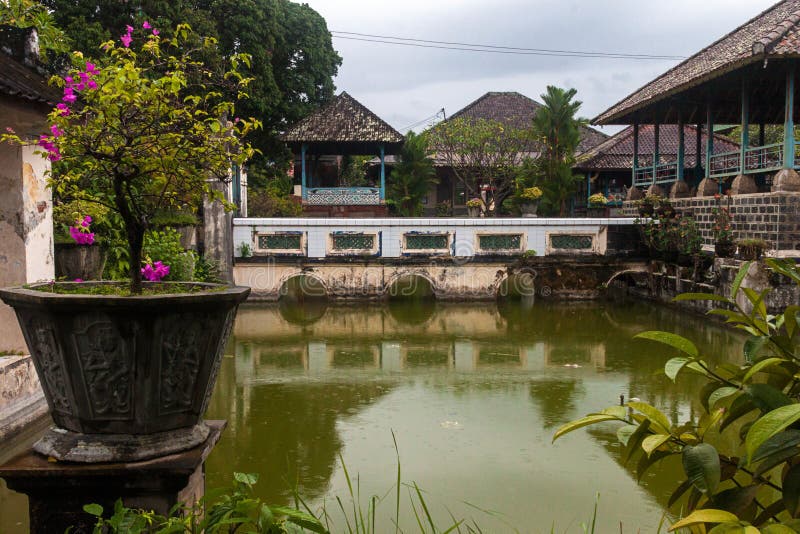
725, 163
764, 158
665, 173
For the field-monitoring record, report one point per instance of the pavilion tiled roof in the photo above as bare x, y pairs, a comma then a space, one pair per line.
772, 33
19, 81
517, 110
617, 151
343, 120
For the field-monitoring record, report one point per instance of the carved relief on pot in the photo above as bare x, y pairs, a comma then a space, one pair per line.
47, 355
107, 363
183, 346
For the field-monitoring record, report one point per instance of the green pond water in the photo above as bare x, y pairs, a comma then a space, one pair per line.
473, 394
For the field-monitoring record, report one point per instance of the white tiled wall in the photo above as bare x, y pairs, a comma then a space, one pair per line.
392, 230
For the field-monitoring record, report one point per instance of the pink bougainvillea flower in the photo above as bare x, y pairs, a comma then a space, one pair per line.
63, 108
146, 25
126, 40
80, 237
91, 69
155, 272
69, 95
9, 129
56, 131
83, 76
156, 32
68, 80
78, 280
91, 84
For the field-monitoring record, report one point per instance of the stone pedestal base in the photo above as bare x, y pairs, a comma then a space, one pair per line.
634, 193
787, 180
58, 491
679, 189
744, 184
707, 188
93, 448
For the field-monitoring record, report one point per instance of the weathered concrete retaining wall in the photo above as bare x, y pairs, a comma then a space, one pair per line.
21, 398
450, 278
664, 282
773, 217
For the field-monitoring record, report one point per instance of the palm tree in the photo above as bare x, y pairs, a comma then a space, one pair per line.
412, 176
558, 130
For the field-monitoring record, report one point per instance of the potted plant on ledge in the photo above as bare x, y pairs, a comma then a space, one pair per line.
128, 368
597, 205
529, 201
474, 207
724, 244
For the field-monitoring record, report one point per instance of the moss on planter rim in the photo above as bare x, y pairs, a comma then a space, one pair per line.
122, 289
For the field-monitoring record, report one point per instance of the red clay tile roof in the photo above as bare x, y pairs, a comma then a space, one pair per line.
517, 111
773, 33
18, 80
342, 120
617, 151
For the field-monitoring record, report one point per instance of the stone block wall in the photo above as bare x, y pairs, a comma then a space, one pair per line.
773, 217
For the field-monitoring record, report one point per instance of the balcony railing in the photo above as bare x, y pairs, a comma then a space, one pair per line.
665, 173
725, 163
343, 196
763, 158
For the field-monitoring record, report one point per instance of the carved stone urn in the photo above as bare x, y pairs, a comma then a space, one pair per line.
126, 377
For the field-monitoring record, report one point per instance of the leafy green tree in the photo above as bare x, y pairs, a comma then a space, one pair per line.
482, 153
140, 143
293, 60
557, 130
25, 14
759, 482
412, 177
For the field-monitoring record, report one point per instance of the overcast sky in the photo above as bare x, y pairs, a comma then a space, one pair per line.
404, 85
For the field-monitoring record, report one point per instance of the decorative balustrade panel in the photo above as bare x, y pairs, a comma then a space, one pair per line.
353, 241
426, 241
643, 176
571, 241
666, 173
343, 196
764, 158
499, 242
280, 241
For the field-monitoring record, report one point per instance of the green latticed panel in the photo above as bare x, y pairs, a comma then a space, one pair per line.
500, 242
569, 241
280, 242
353, 241
426, 241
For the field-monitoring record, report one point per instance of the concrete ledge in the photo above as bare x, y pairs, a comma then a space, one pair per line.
21, 398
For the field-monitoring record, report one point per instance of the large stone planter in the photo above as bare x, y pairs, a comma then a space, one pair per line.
529, 208
126, 378
73, 261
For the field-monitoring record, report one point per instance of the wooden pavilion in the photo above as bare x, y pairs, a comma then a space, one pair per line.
607, 166
343, 127
748, 78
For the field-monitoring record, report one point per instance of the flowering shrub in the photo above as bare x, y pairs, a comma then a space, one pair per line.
598, 199
143, 129
723, 228
154, 271
80, 231
531, 193
474, 203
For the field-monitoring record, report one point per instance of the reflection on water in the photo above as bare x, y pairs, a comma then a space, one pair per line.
473, 393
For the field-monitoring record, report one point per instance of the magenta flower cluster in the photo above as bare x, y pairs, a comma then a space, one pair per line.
155, 272
127, 37
81, 233
82, 81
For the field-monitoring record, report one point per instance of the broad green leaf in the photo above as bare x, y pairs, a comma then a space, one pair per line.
760, 366
658, 420
767, 397
730, 315
737, 282
791, 491
636, 440
757, 300
701, 465
769, 425
706, 391
708, 421
788, 439
582, 422
617, 411
753, 346
624, 433
673, 340
704, 516
735, 500
674, 366
700, 296
651, 443
721, 393
790, 319
93, 509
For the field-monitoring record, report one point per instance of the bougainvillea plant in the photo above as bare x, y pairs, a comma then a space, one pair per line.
145, 129
154, 271
80, 231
